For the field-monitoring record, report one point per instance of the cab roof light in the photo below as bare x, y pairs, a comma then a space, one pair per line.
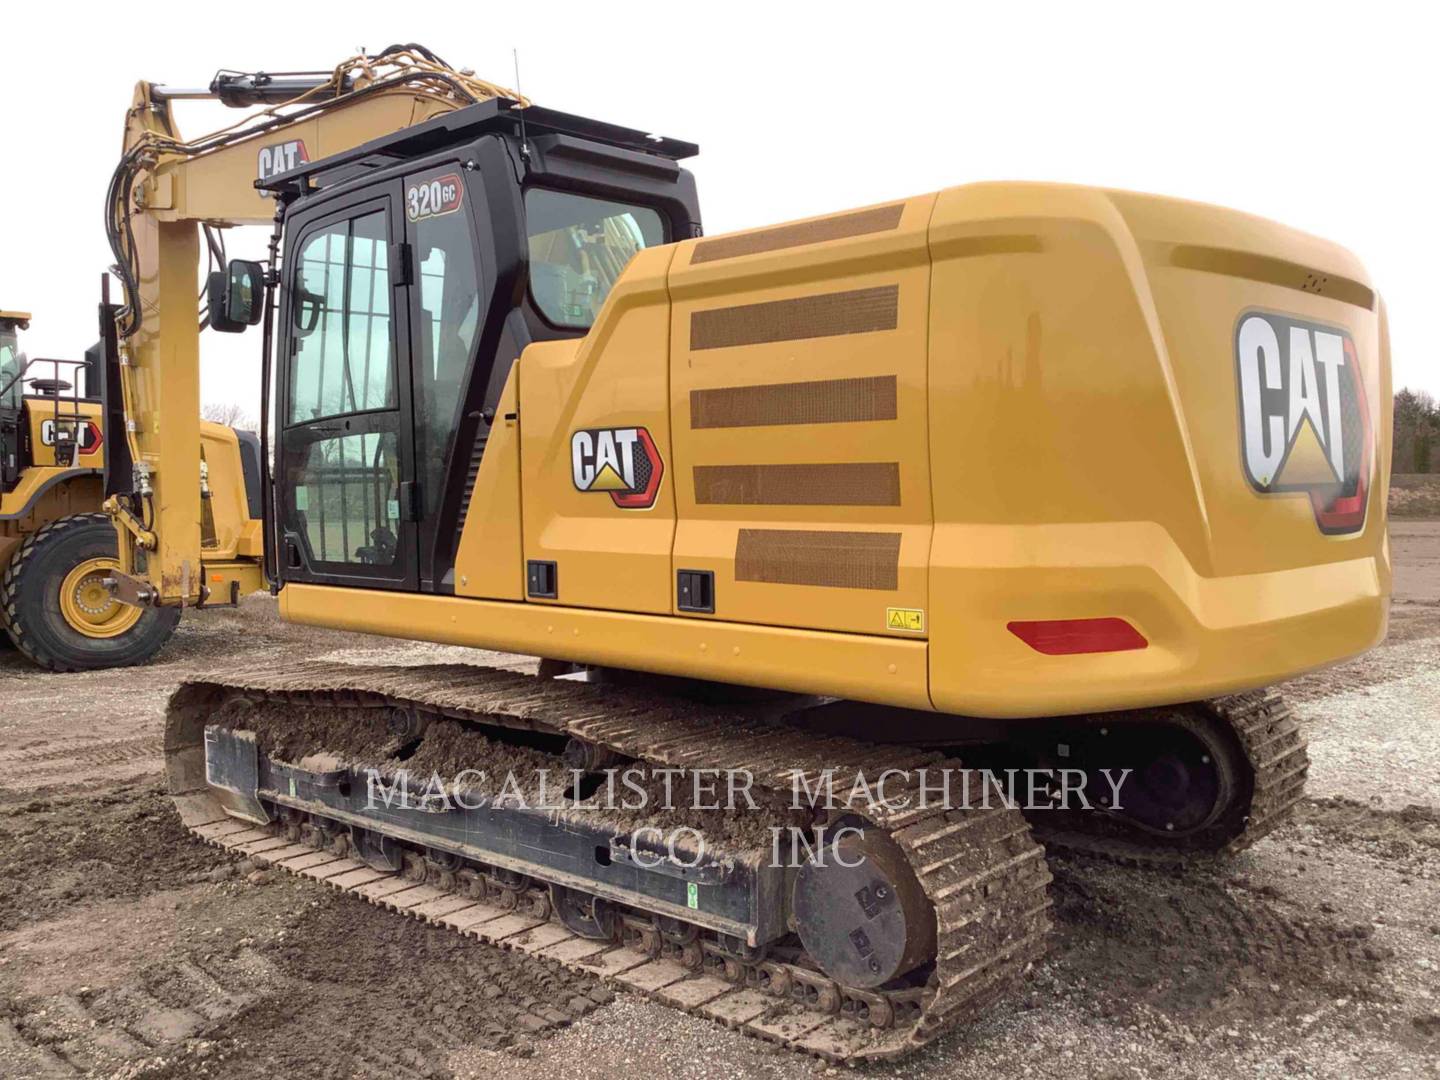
1066, 637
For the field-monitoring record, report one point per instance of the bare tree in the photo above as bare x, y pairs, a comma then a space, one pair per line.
229, 413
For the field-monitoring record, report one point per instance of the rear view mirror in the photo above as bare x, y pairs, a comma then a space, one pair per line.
237, 296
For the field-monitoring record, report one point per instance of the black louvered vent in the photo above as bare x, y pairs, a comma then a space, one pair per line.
477, 451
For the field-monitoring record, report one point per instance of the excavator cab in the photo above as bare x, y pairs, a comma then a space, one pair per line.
417, 268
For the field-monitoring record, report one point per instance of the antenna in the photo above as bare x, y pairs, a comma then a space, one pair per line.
524, 143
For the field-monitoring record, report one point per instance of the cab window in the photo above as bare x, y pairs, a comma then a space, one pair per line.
10, 364
342, 360
578, 247
449, 323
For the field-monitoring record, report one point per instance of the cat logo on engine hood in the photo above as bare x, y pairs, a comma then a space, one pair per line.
87, 433
622, 462
1304, 424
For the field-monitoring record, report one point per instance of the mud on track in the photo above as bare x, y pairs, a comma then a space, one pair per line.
127, 950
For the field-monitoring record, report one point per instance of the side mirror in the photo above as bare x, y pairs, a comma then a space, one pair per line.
237, 296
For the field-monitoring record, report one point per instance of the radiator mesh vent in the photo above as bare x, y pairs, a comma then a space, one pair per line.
845, 560
864, 483
857, 311
828, 401
839, 227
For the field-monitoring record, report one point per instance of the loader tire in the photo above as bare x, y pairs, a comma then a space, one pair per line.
57, 611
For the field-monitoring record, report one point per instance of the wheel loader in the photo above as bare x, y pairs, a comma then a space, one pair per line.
57, 546
1010, 479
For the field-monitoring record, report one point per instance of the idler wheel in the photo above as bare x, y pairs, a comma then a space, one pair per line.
1185, 774
860, 911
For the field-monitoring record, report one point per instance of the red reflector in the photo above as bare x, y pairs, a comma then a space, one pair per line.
1061, 637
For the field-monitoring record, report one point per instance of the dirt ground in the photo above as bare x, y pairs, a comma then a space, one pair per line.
129, 950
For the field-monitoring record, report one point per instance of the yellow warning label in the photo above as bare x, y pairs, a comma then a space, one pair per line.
905, 618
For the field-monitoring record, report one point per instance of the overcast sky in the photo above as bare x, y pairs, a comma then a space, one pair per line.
1322, 116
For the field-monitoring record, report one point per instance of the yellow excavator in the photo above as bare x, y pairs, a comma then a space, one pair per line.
57, 546
1003, 480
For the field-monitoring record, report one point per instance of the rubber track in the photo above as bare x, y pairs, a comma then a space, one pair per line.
981, 868
1275, 748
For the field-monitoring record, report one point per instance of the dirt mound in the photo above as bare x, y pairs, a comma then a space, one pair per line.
358, 736
126, 842
1398, 835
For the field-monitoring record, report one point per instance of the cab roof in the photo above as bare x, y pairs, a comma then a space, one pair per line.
494, 115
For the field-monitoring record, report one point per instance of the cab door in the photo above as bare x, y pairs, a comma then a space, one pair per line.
347, 502
450, 294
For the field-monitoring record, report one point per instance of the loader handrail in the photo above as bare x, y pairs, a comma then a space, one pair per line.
28, 363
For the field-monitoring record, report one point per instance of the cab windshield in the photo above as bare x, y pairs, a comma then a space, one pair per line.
578, 247
10, 364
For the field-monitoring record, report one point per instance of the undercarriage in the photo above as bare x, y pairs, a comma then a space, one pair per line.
853, 925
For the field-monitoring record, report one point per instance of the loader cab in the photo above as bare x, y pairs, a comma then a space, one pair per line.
415, 271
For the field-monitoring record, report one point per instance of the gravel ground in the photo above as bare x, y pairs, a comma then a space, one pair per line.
128, 950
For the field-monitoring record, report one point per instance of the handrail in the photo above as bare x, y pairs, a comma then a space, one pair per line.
31, 363
67, 432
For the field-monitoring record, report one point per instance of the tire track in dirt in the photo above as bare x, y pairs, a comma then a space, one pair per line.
95, 1031
85, 754
1407, 838
77, 765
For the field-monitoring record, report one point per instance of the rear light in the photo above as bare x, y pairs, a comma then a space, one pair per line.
1064, 637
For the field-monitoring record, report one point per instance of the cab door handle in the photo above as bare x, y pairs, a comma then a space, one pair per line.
409, 500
